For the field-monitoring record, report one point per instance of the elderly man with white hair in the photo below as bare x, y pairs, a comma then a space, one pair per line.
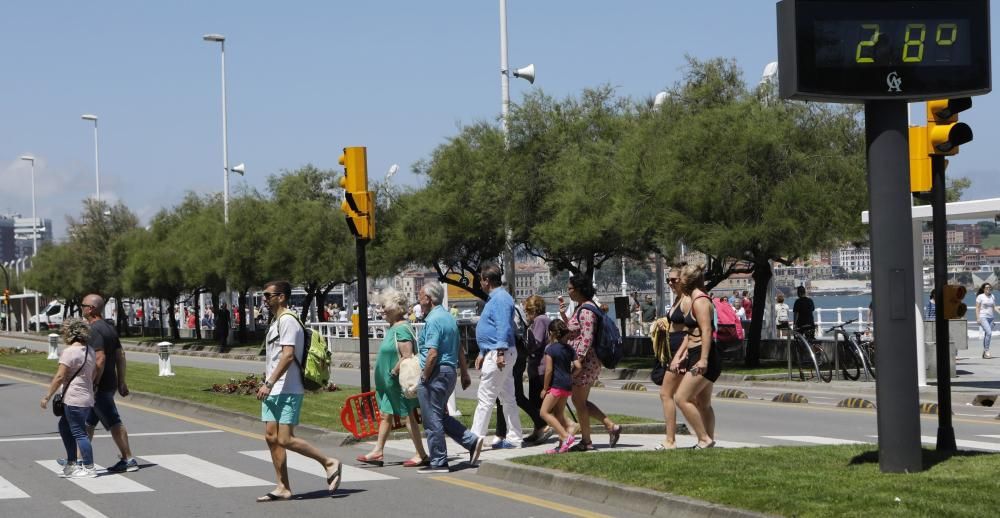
440, 355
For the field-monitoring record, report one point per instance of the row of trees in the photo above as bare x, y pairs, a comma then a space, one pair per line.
578, 181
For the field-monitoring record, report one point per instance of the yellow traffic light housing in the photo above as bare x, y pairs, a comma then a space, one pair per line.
952, 302
920, 161
6, 296
359, 202
944, 132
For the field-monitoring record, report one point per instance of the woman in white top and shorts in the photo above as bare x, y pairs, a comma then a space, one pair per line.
985, 306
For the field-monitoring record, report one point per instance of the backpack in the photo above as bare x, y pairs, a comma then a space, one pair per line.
316, 358
607, 340
728, 327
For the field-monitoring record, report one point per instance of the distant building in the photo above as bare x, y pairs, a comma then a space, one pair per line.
853, 259
8, 252
25, 228
960, 239
410, 282
531, 278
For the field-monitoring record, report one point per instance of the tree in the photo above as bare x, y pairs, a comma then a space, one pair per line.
580, 199
749, 182
456, 222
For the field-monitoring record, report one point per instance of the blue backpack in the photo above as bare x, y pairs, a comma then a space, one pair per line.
607, 340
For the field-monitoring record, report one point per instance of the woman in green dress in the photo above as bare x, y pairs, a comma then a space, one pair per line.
398, 344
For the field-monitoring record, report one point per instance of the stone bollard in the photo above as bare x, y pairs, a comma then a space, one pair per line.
165, 358
53, 347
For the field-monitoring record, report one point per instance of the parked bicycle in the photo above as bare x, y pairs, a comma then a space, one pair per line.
851, 358
867, 346
810, 357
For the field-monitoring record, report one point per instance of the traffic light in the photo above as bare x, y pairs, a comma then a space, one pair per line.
6, 296
951, 302
944, 132
359, 203
920, 161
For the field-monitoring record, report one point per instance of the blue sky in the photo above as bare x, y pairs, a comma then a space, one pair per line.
308, 78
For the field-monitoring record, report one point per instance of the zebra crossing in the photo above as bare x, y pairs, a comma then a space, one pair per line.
200, 470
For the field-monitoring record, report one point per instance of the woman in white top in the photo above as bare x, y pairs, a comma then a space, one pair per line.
985, 306
75, 378
781, 312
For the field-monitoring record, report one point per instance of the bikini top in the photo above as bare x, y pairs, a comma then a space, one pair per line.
676, 316
690, 321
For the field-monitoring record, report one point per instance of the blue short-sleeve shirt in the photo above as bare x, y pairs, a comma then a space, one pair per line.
440, 332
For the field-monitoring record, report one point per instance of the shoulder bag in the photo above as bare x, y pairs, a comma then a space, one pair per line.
409, 368
58, 407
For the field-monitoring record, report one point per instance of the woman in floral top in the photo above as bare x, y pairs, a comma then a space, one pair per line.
586, 367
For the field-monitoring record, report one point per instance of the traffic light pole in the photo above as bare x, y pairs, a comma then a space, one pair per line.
366, 382
946, 433
892, 287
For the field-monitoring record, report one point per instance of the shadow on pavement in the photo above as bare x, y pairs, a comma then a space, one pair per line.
931, 458
323, 493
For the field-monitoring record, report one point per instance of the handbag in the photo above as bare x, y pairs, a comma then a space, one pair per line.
409, 370
658, 372
58, 407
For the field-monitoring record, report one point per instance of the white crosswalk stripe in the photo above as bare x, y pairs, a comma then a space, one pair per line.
811, 439
307, 465
975, 445
81, 508
105, 483
990, 436
205, 472
8, 490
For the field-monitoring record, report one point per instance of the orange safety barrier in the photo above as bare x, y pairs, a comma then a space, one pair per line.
360, 415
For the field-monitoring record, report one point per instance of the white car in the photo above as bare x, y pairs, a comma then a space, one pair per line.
51, 316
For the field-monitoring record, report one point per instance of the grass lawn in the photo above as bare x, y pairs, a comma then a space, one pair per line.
193, 384
802, 481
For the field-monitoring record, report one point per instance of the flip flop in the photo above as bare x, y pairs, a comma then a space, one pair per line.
375, 461
334, 480
271, 497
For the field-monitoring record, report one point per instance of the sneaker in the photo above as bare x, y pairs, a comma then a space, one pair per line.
986, 355
68, 469
122, 466
567, 445
434, 469
61, 462
504, 444
476, 450
82, 471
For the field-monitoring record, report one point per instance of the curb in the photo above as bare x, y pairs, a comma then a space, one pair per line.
200, 411
853, 402
732, 393
790, 397
634, 499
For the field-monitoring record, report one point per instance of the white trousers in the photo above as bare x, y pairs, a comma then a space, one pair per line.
495, 382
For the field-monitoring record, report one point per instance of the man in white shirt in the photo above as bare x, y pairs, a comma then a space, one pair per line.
281, 394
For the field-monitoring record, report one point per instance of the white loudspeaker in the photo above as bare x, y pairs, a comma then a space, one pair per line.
527, 72
239, 169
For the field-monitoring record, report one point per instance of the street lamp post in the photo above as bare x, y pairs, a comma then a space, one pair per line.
527, 73
230, 339
34, 227
97, 162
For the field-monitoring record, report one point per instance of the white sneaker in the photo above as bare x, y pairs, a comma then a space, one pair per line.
67, 470
82, 471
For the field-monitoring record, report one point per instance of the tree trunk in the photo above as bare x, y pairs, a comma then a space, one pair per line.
197, 314
311, 289
761, 278
121, 319
321, 302
241, 301
175, 331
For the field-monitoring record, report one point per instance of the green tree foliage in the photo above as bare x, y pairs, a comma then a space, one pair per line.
577, 197
749, 182
456, 222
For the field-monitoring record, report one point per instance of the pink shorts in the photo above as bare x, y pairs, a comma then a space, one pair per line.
560, 393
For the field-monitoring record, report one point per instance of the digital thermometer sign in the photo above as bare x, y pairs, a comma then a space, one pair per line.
858, 50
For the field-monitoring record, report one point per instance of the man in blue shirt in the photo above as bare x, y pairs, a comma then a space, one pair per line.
440, 354
497, 354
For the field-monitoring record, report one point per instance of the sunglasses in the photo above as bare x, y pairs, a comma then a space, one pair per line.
267, 295
671, 280
91, 306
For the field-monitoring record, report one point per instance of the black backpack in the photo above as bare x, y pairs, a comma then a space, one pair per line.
607, 340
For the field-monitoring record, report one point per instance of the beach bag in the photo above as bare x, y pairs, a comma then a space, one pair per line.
409, 369
314, 365
728, 327
607, 340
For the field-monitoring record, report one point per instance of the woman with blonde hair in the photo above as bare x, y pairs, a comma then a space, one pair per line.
704, 365
536, 338
76, 377
399, 344
668, 336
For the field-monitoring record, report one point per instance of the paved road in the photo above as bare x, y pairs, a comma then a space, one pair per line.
197, 468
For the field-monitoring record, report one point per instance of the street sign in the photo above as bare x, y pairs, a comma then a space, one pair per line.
855, 51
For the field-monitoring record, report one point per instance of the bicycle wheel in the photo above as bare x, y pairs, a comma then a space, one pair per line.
869, 351
850, 360
824, 367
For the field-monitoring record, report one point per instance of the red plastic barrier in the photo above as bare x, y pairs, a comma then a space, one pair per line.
360, 415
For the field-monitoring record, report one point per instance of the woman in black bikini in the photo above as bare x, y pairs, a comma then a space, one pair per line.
704, 365
673, 325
